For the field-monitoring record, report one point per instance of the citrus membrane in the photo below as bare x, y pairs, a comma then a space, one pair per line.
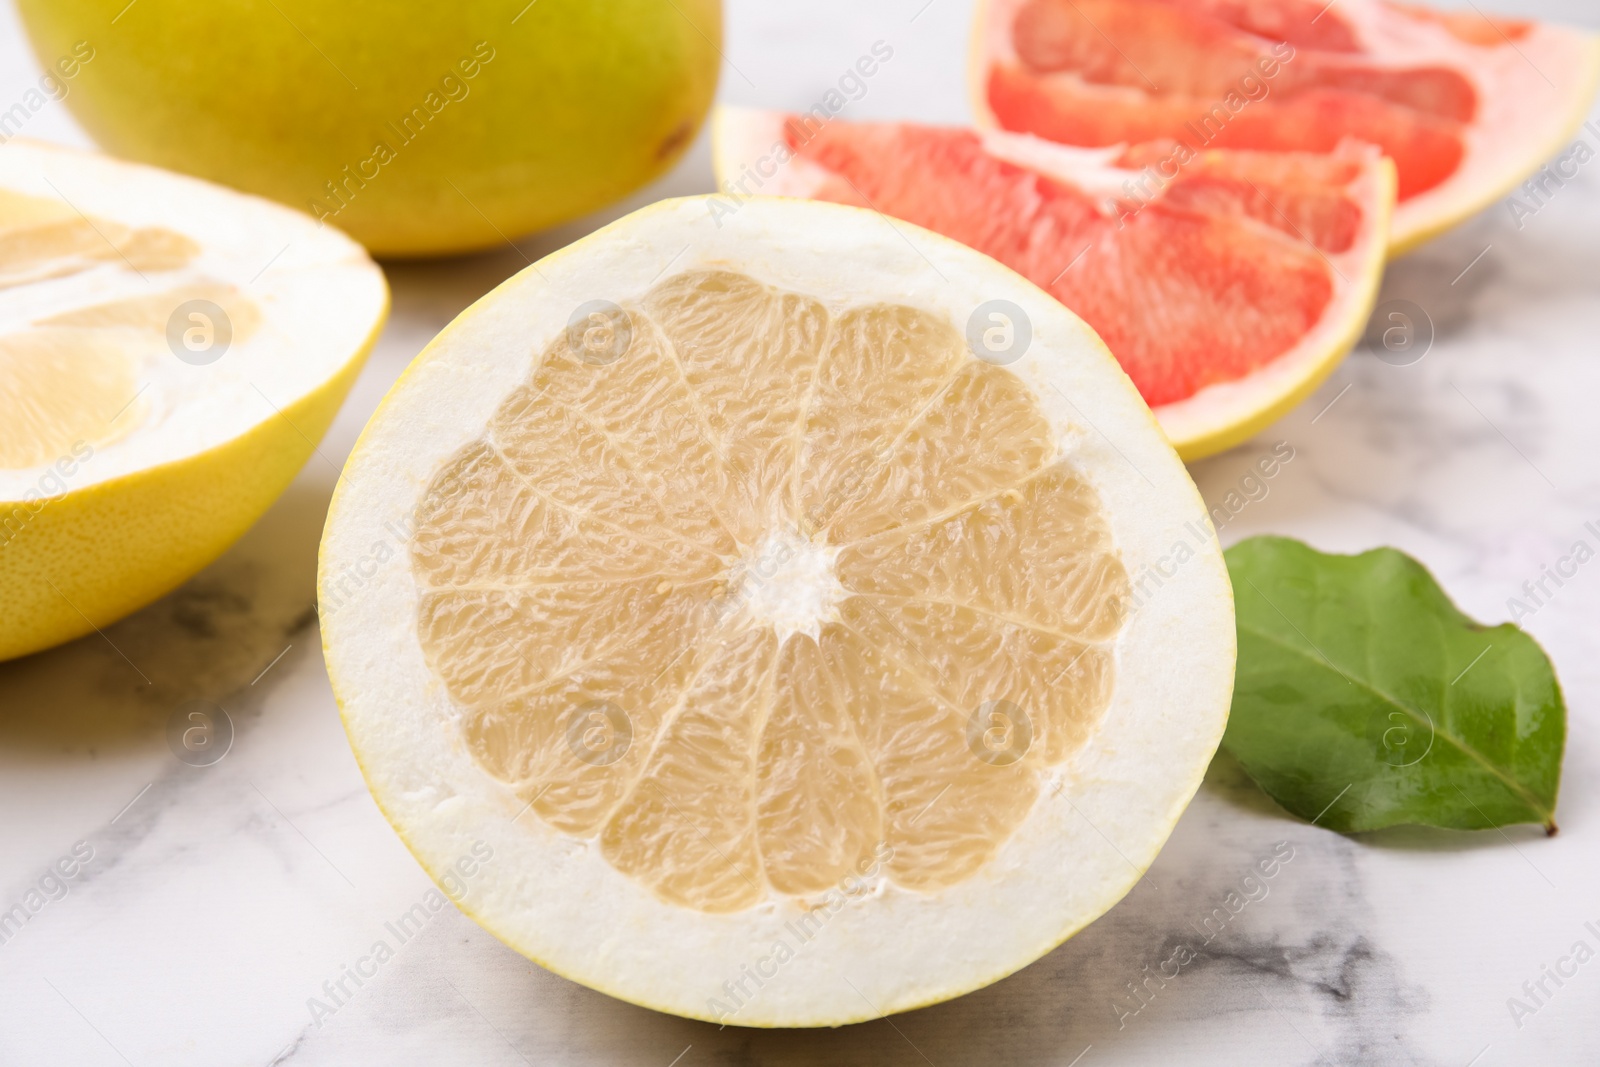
721, 542
1466, 105
740, 596
169, 351
1228, 284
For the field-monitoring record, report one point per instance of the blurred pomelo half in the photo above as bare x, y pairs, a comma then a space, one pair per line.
797, 665
170, 353
1228, 289
1467, 105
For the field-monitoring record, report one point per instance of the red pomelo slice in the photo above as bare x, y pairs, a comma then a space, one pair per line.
1465, 105
1227, 291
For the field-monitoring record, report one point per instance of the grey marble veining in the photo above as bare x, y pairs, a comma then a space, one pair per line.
218, 901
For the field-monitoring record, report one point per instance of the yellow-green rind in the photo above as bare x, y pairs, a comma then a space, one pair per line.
1314, 369
580, 104
339, 699
1318, 369
85, 559
1403, 239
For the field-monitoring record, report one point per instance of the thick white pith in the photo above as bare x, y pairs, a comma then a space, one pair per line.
789, 582
317, 294
555, 898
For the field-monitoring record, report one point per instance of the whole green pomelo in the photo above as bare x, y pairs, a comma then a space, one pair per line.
418, 128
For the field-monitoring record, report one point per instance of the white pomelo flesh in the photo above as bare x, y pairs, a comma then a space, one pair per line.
99, 260
170, 353
726, 839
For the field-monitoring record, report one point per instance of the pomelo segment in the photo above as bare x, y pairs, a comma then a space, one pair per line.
1467, 106
1227, 285
170, 352
761, 628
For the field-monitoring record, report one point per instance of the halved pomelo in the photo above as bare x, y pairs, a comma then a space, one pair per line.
1228, 289
1466, 105
793, 664
170, 352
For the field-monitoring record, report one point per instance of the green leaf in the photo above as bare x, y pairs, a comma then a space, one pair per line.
1365, 699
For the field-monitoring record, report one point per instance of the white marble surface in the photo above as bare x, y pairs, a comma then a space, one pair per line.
218, 900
